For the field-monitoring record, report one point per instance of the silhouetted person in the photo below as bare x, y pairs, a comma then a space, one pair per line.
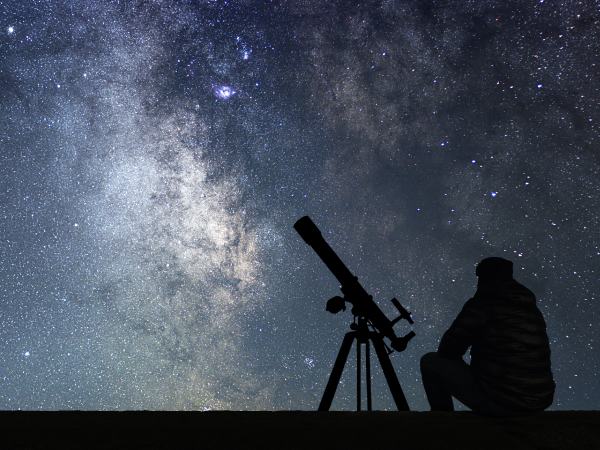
510, 371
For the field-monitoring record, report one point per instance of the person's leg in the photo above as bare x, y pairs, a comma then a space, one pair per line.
442, 379
446, 378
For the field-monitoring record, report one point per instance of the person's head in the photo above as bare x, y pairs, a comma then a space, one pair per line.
494, 270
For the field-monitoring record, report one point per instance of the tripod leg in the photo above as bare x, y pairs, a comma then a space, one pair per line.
336, 372
358, 393
390, 375
368, 363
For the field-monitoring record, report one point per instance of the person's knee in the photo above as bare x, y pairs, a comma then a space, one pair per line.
429, 359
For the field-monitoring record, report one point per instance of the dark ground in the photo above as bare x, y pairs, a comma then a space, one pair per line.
298, 429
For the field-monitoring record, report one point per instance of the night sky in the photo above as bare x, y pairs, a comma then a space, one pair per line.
155, 155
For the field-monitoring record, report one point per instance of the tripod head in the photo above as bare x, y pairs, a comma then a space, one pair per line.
362, 303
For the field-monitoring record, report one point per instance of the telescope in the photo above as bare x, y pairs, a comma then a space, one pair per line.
369, 316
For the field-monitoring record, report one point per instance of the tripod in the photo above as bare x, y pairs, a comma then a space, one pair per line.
362, 334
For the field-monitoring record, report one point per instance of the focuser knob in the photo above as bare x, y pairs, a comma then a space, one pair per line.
335, 305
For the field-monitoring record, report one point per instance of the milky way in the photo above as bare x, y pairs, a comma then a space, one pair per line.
154, 159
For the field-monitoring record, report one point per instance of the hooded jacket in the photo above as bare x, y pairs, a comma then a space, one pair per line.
510, 351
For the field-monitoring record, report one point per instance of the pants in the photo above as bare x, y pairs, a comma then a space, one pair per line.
446, 378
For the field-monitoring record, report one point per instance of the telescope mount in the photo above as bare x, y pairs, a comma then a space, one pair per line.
363, 335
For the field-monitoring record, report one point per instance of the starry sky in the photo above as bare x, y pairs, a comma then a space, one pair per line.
154, 156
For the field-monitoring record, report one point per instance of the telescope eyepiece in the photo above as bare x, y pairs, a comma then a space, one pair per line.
400, 344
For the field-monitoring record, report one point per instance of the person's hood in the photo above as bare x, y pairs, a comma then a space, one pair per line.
510, 290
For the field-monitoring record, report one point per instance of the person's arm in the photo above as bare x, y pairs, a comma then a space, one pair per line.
459, 337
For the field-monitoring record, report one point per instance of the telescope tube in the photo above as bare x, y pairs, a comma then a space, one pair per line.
363, 303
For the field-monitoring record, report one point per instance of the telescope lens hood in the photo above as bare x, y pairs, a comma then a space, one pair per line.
308, 231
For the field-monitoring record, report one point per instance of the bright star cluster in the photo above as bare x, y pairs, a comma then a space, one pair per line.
153, 160
224, 92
